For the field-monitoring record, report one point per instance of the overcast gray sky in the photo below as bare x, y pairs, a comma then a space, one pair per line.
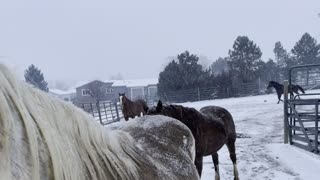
83, 40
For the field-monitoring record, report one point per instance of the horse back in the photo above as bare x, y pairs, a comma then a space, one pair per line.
223, 116
143, 104
175, 151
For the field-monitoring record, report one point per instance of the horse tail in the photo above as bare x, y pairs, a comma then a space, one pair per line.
300, 88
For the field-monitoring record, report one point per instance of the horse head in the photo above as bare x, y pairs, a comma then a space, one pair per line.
156, 109
121, 97
173, 111
271, 84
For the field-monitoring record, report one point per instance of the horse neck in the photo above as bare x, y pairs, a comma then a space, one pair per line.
276, 85
126, 101
188, 115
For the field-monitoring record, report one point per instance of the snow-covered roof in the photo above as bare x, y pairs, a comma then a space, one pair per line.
134, 82
128, 83
61, 92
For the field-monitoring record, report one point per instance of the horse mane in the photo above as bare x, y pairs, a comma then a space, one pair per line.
275, 82
190, 115
77, 146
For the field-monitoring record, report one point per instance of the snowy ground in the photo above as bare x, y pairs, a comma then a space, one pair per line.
263, 156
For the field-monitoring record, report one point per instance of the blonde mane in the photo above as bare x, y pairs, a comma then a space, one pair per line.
54, 139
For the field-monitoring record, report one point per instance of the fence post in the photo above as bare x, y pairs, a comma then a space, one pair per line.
308, 77
259, 81
92, 110
166, 96
285, 112
117, 111
199, 94
316, 144
111, 109
99, 112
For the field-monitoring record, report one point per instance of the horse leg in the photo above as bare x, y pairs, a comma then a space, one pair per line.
232, 151
126, 117
198, 163
297, 92
215, 159
279, 97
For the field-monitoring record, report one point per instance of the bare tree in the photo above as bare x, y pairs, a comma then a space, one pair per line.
97, 91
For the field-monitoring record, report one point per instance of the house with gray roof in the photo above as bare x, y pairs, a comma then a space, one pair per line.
134, 89
90, 92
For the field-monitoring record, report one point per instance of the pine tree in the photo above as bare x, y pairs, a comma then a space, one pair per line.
306, 50
244, 59
283, 60
183, 74
168, 78
223, 84
268, 71
35, 77
219, 66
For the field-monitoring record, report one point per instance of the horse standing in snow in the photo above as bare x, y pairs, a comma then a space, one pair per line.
43, 138
212, 127
280, 89
131, 109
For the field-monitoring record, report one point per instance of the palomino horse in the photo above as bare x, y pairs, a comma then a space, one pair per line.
212, 127
279, 88
131, 109
43, 138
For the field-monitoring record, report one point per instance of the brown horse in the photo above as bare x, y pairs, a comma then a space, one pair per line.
294, 88
212, 127
131, 109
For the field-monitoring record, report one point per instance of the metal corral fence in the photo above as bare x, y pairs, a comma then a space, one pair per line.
301, 112
104, 112
207, 93
306, 76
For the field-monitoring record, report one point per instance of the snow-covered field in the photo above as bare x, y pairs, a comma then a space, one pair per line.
263, 155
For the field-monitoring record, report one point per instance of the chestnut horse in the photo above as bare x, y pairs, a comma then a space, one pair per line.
131, 109
212, 127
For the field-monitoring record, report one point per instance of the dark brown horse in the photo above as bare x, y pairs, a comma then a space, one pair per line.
294, 88
131, 109
212, 127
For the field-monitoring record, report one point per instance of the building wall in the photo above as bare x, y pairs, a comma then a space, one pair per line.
115, 93
149, 92
80, 98
141, 92
110, 93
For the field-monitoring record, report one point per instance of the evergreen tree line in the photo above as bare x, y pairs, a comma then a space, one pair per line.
242, 65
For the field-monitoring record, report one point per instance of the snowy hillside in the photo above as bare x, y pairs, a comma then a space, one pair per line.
263, 156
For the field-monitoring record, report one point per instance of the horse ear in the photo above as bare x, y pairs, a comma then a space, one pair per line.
159, 106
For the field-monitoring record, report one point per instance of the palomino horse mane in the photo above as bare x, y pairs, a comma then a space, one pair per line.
42, 137
78, 148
